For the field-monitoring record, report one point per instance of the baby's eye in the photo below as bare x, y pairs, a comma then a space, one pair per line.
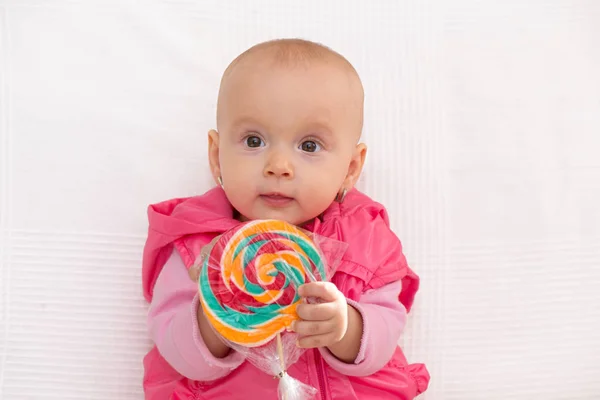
310, 146
254, 141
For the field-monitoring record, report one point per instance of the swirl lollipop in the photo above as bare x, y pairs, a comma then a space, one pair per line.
248, 282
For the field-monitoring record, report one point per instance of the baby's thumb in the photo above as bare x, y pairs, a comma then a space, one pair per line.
194, 272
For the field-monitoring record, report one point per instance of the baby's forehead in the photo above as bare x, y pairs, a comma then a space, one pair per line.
282, 59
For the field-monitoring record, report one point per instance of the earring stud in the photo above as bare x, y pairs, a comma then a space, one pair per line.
341, 196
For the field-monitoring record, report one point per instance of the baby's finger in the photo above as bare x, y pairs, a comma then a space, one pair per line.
308, 328
194, 272
316, 312
326, 291
309, 342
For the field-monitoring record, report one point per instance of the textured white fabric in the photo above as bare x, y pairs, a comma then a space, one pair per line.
483, 120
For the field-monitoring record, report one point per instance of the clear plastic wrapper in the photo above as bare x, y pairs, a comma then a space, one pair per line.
248, 282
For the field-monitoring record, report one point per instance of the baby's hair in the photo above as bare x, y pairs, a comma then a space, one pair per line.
293, 52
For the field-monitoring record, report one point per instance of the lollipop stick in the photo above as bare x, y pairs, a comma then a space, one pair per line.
281, 360
280, 352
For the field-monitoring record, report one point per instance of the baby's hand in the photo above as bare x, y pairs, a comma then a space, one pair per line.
324, 323
194, 271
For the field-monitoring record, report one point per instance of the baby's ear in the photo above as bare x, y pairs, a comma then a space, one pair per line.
213, 154
356, 165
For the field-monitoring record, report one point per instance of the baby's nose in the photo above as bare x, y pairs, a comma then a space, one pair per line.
279, 166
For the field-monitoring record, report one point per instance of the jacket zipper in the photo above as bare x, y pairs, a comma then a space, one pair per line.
319, 363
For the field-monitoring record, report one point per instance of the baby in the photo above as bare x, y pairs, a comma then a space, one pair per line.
289, 120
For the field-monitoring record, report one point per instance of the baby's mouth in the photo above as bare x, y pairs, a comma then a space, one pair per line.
276, 199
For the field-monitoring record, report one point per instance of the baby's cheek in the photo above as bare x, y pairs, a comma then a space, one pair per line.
319, 194
240, 197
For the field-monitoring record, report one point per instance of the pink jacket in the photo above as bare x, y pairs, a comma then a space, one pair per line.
373, 275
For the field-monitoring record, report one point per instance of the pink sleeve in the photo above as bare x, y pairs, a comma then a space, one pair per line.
384, 318
173, 326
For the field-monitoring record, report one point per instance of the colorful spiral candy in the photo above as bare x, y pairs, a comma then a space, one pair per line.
249, 280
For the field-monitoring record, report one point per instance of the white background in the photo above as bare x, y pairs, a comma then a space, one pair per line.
483, 121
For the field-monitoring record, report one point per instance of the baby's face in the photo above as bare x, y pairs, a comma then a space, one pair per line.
287, 139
